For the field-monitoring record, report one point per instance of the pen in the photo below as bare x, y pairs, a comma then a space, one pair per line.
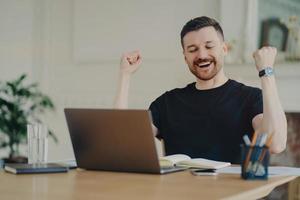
263, 139
268, 143
259, 143
258, 139
254, 137
263, 153
246, 140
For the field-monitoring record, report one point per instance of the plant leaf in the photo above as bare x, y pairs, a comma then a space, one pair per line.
20, 104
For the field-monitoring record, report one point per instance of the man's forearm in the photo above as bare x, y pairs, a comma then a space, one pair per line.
274, 119
121, 101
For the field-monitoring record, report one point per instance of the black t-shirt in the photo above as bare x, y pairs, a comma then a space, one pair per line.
207, 123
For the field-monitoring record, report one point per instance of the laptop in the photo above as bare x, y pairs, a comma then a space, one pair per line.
114, 140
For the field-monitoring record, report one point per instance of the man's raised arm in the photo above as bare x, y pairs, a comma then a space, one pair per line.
130, 62
273, 119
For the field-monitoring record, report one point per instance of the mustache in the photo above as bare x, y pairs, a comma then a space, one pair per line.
204, 60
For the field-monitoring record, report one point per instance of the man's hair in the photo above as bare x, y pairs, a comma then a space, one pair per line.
199, 23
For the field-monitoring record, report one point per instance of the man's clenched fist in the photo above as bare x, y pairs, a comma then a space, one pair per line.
130, 61
264, 57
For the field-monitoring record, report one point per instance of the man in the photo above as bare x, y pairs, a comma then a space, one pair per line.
209, 117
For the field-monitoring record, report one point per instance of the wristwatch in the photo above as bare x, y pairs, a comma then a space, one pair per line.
268, 71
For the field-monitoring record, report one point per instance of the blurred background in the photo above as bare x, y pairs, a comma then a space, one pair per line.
72, 48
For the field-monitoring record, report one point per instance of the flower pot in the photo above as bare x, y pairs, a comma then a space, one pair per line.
15, 159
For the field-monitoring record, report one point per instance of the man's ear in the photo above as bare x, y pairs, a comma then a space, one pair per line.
183, 52
225, 48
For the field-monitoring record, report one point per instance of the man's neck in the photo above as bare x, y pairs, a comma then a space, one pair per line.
215, 82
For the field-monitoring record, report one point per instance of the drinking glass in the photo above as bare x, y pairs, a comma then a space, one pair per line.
37, 137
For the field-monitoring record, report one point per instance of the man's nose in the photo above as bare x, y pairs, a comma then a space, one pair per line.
202, 54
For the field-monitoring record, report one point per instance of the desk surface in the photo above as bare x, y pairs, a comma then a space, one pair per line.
80, 184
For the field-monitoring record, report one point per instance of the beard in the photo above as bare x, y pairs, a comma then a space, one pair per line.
205, 69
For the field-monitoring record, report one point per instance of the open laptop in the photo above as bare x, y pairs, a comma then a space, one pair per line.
114, 140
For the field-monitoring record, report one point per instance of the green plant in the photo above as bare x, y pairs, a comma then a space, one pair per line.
20, 105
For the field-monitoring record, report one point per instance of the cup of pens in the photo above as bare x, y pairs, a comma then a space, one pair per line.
255, 157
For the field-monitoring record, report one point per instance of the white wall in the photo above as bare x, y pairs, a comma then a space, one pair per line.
16, 38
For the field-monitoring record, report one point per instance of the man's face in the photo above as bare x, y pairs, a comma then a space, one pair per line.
204, 52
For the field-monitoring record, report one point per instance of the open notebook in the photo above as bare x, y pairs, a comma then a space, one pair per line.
182, 160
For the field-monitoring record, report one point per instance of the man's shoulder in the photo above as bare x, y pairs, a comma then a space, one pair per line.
189, 87
176, 91
243, 87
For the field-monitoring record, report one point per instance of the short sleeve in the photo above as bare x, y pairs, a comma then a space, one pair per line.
156, 108
256, 103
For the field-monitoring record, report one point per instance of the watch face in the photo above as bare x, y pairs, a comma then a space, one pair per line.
268, 71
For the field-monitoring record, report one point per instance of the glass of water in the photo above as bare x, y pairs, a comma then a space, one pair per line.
37, 137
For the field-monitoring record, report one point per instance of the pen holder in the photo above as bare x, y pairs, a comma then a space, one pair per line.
255, 162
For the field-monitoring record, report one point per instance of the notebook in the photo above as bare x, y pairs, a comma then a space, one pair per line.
114, 140
18, 168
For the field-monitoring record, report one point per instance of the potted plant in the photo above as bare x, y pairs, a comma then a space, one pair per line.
19, 105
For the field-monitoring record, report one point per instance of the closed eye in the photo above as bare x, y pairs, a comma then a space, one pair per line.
193, 50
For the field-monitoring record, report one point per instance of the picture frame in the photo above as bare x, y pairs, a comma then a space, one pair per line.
274, 33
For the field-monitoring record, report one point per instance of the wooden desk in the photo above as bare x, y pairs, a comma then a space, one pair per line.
79, 184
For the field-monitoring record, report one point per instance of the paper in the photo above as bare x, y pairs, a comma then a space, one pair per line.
273, 170
287, 171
